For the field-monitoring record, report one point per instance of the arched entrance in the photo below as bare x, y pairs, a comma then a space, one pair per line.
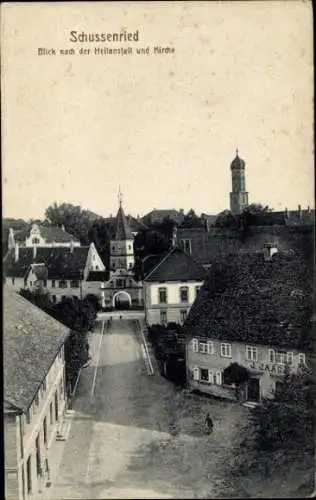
121, 300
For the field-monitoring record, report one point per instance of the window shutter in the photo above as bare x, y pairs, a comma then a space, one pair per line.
196, 373
219, 378
195, 345
210, 347
271, 356
210, 377
301, 358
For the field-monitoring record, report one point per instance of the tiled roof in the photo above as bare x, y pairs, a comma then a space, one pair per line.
247, 299
40, 270
176, 266
207, 246
98, 276
61, 262
149, 262
135, 225
157, 216
31, 341
123, 231
49, 233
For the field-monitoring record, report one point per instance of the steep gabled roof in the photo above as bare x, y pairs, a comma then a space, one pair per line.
61, 262
247, 299
49, 233
123, 231
176, 265
31, 341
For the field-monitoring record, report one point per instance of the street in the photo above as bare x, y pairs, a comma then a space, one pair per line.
138, 436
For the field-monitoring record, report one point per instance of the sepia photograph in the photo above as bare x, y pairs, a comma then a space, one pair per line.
158, 232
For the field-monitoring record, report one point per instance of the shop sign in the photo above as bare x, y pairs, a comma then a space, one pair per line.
267, 367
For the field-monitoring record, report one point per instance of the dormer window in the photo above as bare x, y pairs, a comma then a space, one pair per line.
269, 250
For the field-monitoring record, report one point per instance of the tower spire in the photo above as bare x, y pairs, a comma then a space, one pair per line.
120, 196
237, 151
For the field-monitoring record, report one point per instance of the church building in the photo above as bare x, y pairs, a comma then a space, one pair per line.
122, 290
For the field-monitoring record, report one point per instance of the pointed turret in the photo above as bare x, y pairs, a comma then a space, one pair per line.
123, 231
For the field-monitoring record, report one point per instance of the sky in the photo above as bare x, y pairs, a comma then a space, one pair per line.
163, 127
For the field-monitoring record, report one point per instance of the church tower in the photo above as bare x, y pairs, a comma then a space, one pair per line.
122, 247
239, 195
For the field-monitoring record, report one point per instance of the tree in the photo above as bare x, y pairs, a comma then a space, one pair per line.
192, 220
256, 215
287, 420
225, 219
79, 316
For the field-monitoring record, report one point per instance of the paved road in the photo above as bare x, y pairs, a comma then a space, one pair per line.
137, 436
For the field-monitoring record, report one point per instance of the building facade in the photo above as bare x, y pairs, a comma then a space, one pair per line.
253, 314
122, 290
171, 287
34, 395
73, 271
207, 360
41, 236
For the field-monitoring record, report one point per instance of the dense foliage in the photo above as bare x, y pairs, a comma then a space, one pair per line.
79, 316
287, 421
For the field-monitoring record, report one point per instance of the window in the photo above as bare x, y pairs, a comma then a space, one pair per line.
218, 378
35, 241
203, 347
38, 456
97, 268
251, 353
129, 247
301, 358
163, 317
130, 265
196, 373
210, 347
195, 345
63, 284
54, 298
280, 357
289, 358
29, 415
45, 283
186, 245
197, 289
204, 375
45, 430
271, 356
226, 350
36, 399
51, 414
53, 283
184, 294
29, 475
74, 284
162, 295
183, 315
56, 406
44, 384
13, 279
119, 283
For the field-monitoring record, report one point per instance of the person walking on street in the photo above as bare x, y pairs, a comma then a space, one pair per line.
208, 424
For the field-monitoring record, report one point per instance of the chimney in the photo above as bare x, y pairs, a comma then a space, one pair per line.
269, 249
34, 251
308, 209
16, 252
286, 213
300, 212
